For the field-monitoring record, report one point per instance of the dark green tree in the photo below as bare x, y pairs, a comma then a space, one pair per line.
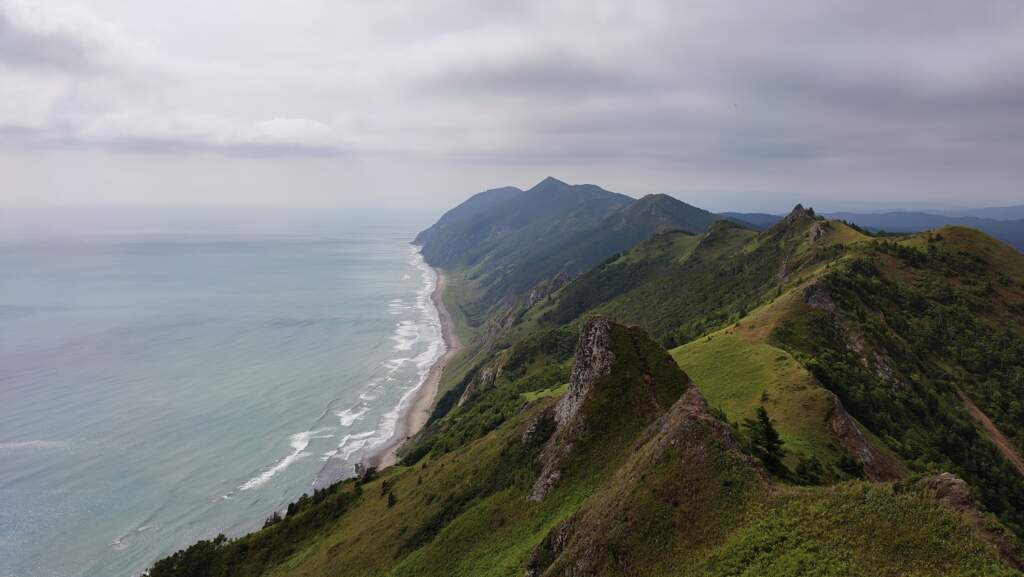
764, 441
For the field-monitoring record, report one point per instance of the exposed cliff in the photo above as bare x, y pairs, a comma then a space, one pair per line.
620, 382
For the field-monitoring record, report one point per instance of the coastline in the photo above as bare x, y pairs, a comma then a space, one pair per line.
418, 412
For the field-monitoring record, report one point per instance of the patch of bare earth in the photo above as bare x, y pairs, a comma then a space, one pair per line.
1004, 444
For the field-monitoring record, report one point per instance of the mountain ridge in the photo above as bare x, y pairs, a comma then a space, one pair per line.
1009, 230
722, 402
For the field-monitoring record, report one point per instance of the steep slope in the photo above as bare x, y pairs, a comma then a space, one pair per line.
456, 227
505, 227
498, 247
639, 478
1008, 231
838, 404
907, 333
678, 288
939, 333
657, 213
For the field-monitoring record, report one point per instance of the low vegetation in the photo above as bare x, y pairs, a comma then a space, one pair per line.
779, 331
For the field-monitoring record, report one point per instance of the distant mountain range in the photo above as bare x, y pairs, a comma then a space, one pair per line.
1006, 223
1015, 212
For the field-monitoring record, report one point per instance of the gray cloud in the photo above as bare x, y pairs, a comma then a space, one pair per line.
824, 99
23, 46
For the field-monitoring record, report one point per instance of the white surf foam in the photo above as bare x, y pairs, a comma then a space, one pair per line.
33, 445
298, 442
349, 416
408, 336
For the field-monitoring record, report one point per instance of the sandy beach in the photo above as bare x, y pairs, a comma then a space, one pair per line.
419, 410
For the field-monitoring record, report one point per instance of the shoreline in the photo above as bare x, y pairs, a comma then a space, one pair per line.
418, 413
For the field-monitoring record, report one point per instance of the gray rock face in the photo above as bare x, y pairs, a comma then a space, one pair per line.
548, 287
878, 466
484, 379
950, 490
594, 359
953, 492
686, 437
818, 230
818, 296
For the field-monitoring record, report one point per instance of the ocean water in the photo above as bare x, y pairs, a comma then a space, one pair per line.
159, 389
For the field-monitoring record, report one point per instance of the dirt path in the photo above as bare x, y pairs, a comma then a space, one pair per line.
1004, 444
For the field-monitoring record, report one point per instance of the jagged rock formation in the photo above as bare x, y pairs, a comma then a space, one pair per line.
818, 296
818, 230
594, 359
672, 460
547, 287
620, 382
483, 379
877, 464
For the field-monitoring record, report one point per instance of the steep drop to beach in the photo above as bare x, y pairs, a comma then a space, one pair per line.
419, 409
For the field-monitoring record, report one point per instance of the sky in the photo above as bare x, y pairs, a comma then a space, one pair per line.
749, 106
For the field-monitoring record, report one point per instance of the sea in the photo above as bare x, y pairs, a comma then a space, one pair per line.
157, 388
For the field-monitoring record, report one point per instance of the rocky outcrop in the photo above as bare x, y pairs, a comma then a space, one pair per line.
818, 230
950, 490
954, 493
620, 382
547, 288
818, 296
483, 379
877, 464
681, 458
540, 427
594, 359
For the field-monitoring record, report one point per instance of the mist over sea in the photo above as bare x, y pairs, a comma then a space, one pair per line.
161, 387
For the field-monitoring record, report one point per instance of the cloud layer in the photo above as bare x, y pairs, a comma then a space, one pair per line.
826, 99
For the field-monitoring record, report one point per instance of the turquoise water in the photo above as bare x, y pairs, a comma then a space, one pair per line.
158, 389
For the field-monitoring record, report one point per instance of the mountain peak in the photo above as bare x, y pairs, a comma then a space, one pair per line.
550, 182
795, 221
621, 381
658, 199
799, 212
655, 213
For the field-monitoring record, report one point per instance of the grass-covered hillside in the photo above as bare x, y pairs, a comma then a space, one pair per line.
830, 403
628, 472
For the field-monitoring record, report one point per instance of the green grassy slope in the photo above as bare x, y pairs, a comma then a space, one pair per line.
802, 319
900, 329
739, 376
679, 287
654, 486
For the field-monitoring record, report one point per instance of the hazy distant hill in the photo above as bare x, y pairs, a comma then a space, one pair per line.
1015, 212
757, 220
1007, 229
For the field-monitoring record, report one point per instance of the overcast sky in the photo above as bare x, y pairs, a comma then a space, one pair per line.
727, 105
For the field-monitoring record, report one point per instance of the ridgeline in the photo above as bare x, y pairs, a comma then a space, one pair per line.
650, 389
